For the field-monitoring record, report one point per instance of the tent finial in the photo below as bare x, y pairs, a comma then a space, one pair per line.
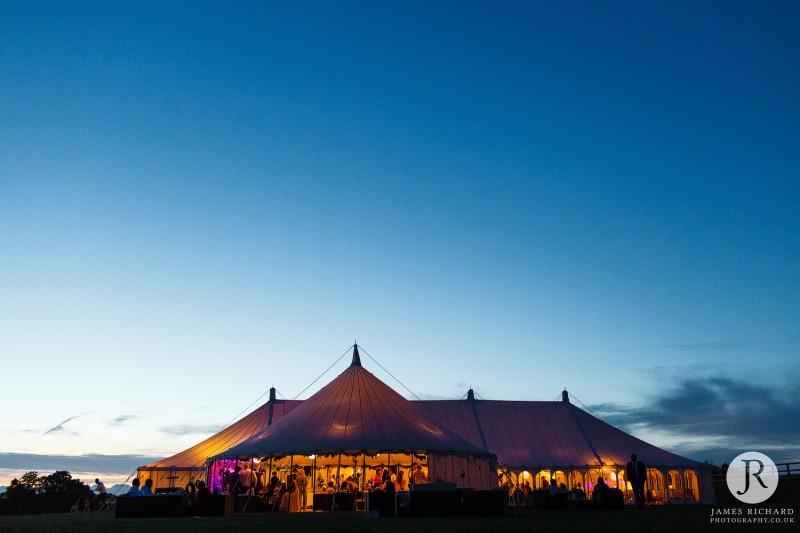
356, 357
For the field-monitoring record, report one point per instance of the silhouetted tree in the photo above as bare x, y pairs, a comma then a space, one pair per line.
20, 497
31, 480
60, 491
32, 493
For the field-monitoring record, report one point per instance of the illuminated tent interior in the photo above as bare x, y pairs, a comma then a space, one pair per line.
355, 425
532, 441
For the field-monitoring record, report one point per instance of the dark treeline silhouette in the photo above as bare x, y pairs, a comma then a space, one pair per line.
32, 493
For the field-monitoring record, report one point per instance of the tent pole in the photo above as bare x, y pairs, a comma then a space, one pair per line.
291, 464
338, 481
313, 481
410, 470
363, 474
272, 489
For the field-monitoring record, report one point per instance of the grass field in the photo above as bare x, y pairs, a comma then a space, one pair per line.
681, 519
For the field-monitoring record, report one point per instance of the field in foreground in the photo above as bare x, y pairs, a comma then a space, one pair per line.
676, 518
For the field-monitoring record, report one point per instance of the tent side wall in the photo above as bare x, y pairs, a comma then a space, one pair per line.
706, 486
171, 477
465, 471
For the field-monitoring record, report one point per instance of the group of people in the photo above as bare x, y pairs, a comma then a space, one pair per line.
524, 494
389, 481
239, 480
635, 474
137, 489
291, 495
385, 480
288, 496
199, 494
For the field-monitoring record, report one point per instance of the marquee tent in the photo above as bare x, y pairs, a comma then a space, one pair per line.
358, 419
357, 413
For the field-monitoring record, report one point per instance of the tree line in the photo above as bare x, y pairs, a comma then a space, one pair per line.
32, 493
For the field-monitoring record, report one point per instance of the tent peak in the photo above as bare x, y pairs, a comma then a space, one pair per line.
565, 396
356, 357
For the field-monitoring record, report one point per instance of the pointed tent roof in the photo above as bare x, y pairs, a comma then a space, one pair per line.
533, 434
354, 413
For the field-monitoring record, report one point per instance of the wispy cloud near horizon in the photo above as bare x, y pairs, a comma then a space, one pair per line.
122, 419
59, 428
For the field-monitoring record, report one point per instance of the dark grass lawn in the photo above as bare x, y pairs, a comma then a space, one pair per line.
680, 519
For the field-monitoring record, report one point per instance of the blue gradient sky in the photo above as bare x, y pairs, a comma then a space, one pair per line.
198, 201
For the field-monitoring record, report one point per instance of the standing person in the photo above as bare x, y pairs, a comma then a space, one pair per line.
275, 496
289, 495
302, 487
418, 477
293, 493
235, 480
273, 482
246, 478
636, 473
101, 490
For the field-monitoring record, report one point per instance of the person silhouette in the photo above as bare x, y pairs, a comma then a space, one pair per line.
102, 494
636, 472
600, 493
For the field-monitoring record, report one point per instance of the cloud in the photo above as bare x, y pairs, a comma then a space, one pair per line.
119, 464
120, 420
716, 417
186, 429
60, 427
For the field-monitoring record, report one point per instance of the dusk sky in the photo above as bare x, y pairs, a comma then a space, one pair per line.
199, 201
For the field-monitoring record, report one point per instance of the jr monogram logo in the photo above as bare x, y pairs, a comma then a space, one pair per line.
752, 465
